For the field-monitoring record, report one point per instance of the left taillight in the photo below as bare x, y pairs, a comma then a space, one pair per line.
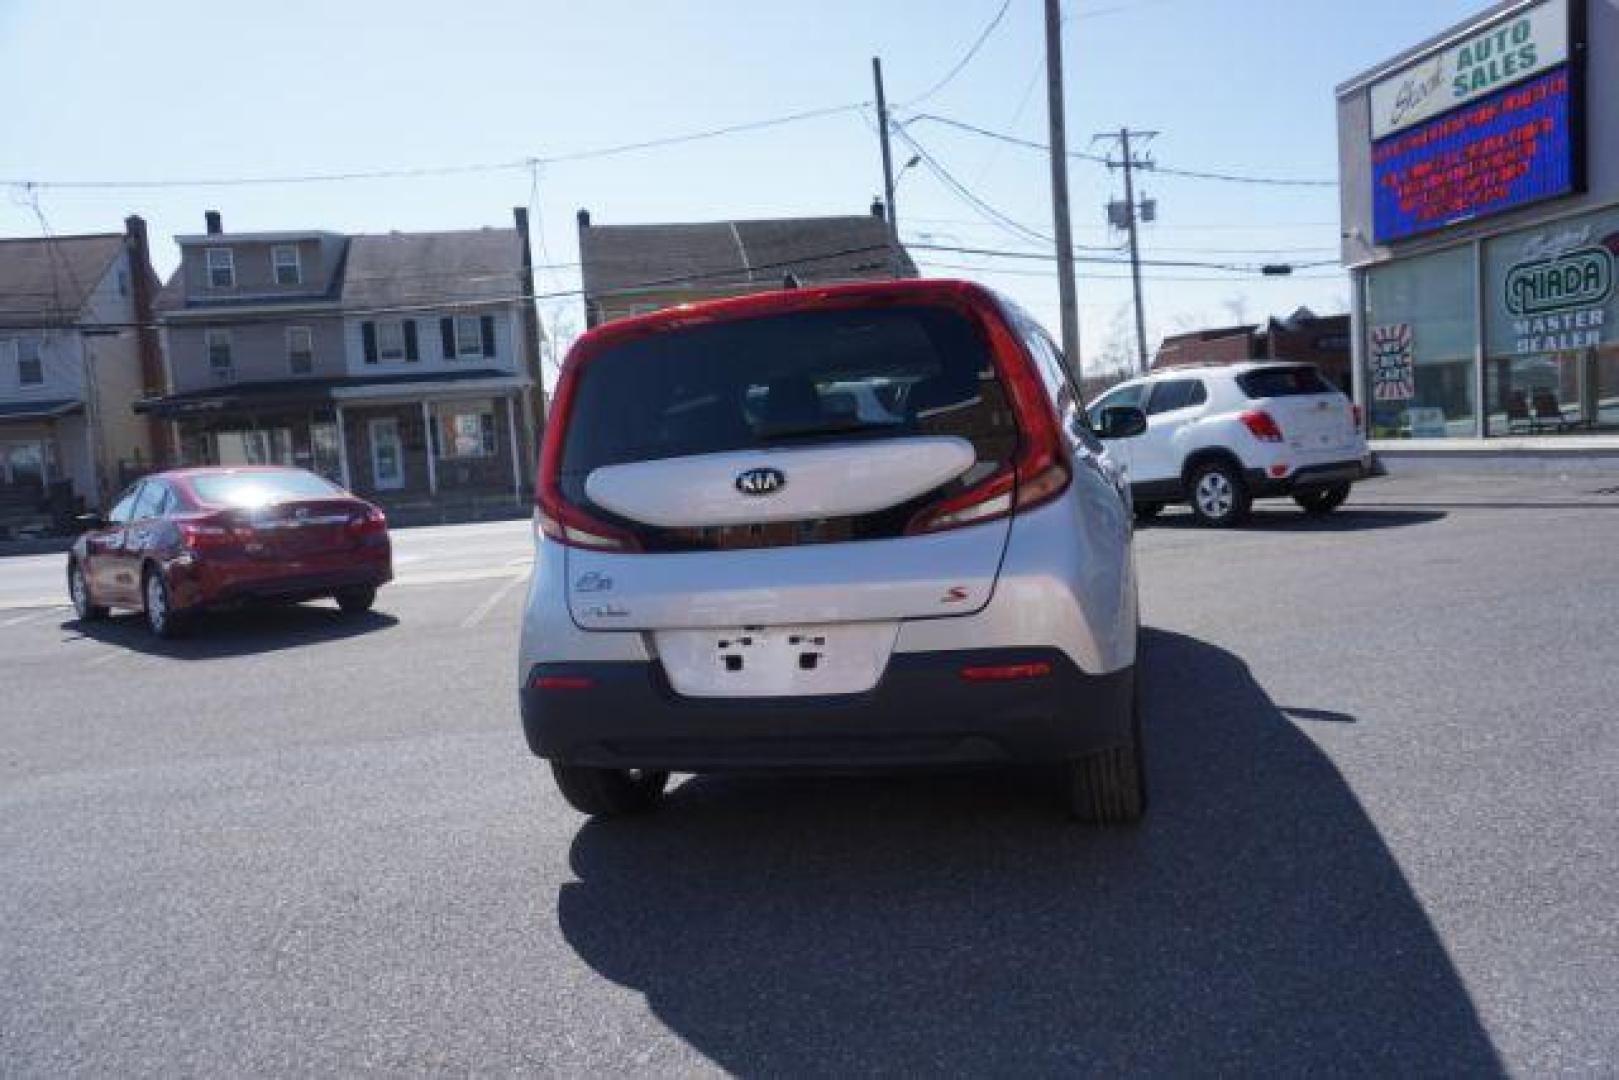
214, 534
1038, 472
369, 526
1262, 425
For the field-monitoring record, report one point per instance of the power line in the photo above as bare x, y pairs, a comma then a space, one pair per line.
1012, 271
1003, 253
527, 163
966, 59
1023, 232
1030, 144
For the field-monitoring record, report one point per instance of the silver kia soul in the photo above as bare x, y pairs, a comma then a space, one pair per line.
830, 528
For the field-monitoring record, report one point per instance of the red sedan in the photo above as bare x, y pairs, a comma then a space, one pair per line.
182, 542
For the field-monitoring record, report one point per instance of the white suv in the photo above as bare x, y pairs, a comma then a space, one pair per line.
842, 527
1220, 436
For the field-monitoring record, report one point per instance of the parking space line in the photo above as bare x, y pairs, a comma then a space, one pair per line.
478, 613
29, 616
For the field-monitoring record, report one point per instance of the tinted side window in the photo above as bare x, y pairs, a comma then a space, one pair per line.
1176, 394
1121, 396
124, 507
150, 502
1284, 382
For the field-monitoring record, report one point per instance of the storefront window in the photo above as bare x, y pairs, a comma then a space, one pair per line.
1552, 328
1421, 334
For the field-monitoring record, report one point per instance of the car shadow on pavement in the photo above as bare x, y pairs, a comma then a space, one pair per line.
1264, 519
245, 631
1255, 922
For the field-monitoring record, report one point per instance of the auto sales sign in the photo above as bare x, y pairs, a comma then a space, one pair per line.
1530, 42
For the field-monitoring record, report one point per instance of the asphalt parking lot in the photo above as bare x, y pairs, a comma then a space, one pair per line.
1384, 837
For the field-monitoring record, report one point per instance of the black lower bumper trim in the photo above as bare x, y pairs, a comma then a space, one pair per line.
921, 713
1309, 478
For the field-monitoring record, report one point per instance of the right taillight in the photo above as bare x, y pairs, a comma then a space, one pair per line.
1039, 469
1261, 425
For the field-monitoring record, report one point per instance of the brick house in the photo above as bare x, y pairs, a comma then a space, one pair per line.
77, 348
401, 365
630, 269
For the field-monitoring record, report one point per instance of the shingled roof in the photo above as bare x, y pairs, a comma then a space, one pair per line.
723, 255
49, 280
391, 269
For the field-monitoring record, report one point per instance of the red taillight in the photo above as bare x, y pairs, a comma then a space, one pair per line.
370, 525
554, 516
1262, 425
220, 533
562, 682
1039, 469
1038, 669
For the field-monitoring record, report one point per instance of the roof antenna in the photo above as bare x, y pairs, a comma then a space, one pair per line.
789, 280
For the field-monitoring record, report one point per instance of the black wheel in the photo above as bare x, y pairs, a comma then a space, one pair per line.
1148, 511
356, 598
1322, 500
78, 587
161, 618
1110, 787
1218, 494
609, 792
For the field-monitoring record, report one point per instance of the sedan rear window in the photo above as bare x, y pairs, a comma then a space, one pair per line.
1278, 382
260, 487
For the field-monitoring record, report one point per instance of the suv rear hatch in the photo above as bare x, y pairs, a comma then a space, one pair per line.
790, 475
1314, 417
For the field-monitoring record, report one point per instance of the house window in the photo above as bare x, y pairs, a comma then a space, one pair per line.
287, 269
300, 350
467, 431
391, 339
221, 268
219, 358
30, 365
468, 335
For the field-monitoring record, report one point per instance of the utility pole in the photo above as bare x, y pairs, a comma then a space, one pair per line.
888, 159
1059, 189
1129, 212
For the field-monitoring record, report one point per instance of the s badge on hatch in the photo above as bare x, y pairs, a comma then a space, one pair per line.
763, 481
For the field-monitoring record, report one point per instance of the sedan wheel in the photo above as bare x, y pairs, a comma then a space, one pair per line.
79, 588
161, 619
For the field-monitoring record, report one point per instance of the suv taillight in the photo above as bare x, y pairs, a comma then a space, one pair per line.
554, 516
1262, 425
1039, 469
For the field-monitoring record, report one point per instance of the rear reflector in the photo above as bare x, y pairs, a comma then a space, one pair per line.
562, 682
1038, 669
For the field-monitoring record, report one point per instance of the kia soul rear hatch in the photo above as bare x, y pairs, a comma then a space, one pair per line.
771, 489
1314, 417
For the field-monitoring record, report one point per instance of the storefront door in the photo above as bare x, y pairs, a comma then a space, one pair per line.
387, 454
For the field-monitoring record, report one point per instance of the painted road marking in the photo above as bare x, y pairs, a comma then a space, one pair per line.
31, 616
483, 609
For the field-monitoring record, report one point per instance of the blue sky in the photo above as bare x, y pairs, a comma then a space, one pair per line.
162, 90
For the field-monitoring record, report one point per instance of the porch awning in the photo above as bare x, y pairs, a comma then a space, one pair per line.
303, 393
38, 410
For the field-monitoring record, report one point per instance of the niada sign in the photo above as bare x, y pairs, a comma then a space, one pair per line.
1529, 42
1574, 279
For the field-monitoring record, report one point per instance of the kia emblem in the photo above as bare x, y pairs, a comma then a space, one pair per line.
761, 481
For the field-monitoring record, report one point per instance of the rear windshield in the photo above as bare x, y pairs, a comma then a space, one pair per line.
790, 380
1284, 382
260, 487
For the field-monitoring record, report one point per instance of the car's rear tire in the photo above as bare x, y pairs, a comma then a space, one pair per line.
610, 792
78, 587
356, 599
1146, 511
1218, 494
1322, 501
161, 618
1110, 787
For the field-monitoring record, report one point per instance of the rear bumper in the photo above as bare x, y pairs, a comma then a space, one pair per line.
1310, 477
199, 584
921, 713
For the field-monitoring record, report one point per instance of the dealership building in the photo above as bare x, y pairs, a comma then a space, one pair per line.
1479, 174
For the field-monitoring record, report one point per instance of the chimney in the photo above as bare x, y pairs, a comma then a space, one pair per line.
878, 210
214, 225
148, 346
584, 218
